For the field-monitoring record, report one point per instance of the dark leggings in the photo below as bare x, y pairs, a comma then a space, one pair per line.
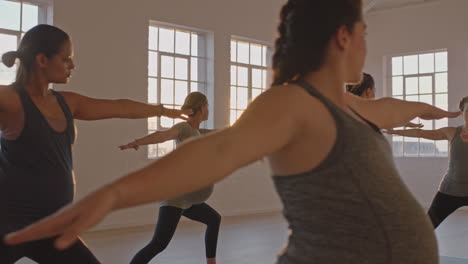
168, 219
443, 205
44, 252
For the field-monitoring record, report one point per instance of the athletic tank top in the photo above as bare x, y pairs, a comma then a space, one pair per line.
36, 168
354, 208
185, 201
455, 181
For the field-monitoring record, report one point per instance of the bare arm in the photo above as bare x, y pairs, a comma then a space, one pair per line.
153, 138
445, 133
87, 108
264, 128
413, 125
389, 112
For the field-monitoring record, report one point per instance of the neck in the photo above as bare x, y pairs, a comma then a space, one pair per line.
194, 122
37, 85
329, 82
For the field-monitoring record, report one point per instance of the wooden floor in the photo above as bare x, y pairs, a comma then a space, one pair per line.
243, 240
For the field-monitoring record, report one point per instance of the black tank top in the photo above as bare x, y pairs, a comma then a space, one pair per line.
36, 169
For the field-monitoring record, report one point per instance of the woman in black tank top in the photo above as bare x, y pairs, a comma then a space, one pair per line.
304, 128
38, 131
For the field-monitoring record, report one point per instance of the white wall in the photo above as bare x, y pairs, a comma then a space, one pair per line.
418, 28
110, 42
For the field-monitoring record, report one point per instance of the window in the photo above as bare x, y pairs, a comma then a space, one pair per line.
249, 74
17, 17
177, 65
421, 78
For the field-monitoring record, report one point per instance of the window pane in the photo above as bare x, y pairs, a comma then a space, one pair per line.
441, 101
183, 43
265, 56
167, 91
255, 54
428, 124
255, 93
233, 117
152, 151
165, 148
239, 114
194, 69
441, 123
152, 90
152, 123
397, 146
426, 99
425, 84
242, 98
264, 79
412, 98
153, 38
166, 40
398, 97
7, 43
441, 148
153, 64
441, 83
10, 13
242, 76
242, 52
194, 44
441, 62
167, 67
197, 87
202, 70
233, 75
233, 97
426, 63
181, 69
426, 147
411, 146
233, 51
411, 85
397, 85
397, 66
181, 91
30, 17
411, 64
256, 78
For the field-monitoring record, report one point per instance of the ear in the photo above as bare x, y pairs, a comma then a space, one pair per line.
41, 60
343, 37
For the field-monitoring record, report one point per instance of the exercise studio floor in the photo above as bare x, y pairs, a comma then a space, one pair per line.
245, 240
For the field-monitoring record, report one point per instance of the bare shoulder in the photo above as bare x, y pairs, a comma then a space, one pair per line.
449, 132
7, 97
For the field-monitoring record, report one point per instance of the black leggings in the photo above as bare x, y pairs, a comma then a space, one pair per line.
44, 252
443, 205
168, 219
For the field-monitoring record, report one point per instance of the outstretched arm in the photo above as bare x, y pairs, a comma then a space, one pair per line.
445, 133
390, 112
153, 138
268, 125
87, 108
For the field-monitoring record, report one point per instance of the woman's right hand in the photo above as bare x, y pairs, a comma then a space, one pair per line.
133, 145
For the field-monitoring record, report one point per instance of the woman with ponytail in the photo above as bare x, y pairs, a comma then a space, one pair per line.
37, 135
340, 209
192, 205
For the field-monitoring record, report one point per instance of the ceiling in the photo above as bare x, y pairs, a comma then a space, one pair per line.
373, 5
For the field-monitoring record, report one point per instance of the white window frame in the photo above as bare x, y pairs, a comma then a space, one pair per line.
435, 124
265, 68
158, 150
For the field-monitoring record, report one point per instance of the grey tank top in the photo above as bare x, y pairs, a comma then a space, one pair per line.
354, 208
185, 201
455, 181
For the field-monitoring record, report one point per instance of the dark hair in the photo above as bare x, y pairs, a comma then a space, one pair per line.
305, 30
41, 39
464, 100
366, 83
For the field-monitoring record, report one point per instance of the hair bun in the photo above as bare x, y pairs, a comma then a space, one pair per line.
9, 58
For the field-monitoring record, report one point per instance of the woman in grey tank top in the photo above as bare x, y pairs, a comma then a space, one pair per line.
191, 205
453, 189
342, 195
